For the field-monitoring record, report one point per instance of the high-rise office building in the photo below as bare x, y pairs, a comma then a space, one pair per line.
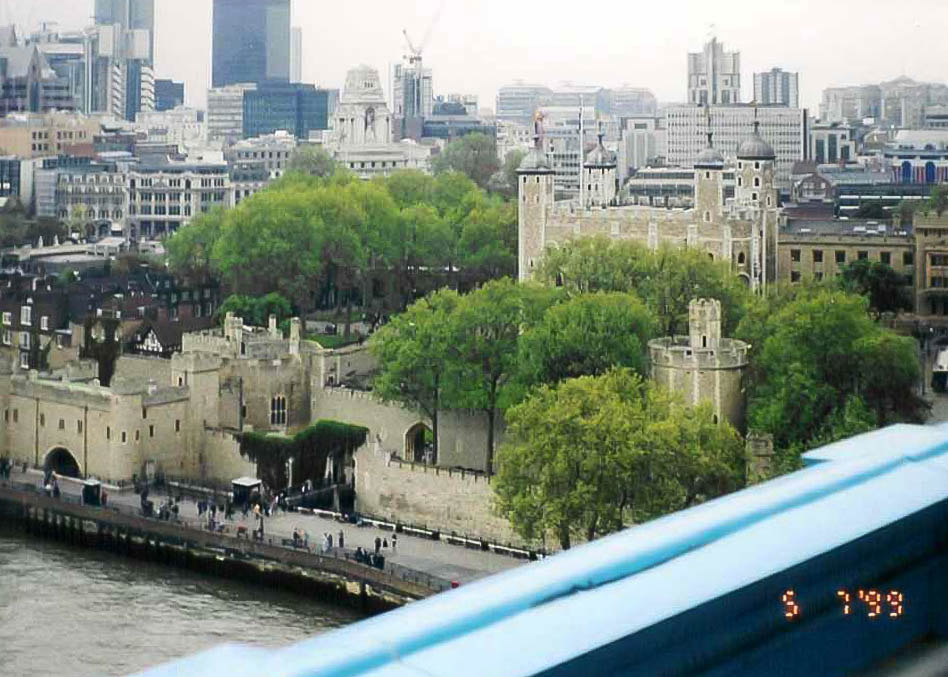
777, 87
296, 108
714, 76
121, 58
251, 41
296, 54
412, 99
519, 102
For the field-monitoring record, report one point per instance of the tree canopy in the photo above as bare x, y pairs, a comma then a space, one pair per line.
666, 279
312, 160
335, 242
824, 370
590, 455
879, 283
474, 155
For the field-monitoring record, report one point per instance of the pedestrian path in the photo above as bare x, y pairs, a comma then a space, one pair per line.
437, 559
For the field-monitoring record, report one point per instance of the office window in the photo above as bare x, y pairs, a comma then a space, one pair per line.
795, 255
886, 258
908, 258
817, 256
862, 255
840, 257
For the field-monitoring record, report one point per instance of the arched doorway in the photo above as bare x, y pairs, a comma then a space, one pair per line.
61, 462
419, 444
929, 172
906, 172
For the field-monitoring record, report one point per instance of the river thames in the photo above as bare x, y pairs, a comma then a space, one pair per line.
68, 611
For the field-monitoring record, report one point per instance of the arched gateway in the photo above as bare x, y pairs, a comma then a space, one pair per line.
62, 462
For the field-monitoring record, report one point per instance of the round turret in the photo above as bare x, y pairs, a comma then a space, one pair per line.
709, 158
754, 147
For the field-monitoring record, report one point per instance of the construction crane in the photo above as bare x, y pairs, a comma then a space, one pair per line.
415, 59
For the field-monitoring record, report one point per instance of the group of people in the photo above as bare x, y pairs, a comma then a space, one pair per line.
6, 467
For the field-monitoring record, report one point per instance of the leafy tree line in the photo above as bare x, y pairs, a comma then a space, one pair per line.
332, 241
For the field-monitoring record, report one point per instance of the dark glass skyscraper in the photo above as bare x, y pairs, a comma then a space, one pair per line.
251, 41
296, 108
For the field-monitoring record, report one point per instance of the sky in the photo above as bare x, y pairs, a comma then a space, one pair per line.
476, 46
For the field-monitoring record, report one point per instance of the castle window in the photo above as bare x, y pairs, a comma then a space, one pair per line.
707, 217
768, 201
794, 275
144, 413
754, 196
151, 431
756, 165
840, 257
278, 410
740, 182
707, 175
42, 420
177, 425
124, 437
756, 182
817, 256
886, 258
78, 427
108, 432
138, 435
908, 258
741, 259
862, 255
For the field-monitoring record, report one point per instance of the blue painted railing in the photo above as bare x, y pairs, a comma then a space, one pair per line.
697, 592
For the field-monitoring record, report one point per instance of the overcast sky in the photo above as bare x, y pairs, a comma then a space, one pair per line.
478, 45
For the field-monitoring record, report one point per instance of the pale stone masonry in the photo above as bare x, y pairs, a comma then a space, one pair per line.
703, 366
741, 231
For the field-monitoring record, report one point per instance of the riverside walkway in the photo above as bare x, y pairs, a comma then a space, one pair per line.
438, 560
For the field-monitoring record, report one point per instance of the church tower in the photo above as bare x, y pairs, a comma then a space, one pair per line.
709, 181
599, 175
756, 192
535, 196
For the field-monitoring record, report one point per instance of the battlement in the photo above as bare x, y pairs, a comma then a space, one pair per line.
64, 392
678, 353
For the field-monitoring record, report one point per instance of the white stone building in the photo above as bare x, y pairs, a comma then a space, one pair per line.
741, 230
361, 135
164, 197
777, 87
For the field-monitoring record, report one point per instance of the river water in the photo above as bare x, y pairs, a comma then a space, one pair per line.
69, 611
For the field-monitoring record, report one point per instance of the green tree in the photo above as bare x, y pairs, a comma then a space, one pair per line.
877, 281
256, 310
938, 199
312, 160
586, 336
191, 249
272, 242
486, 327
488, 242
666, 279
590, 455
872, 210
906, 212
413, 353
474, 155
408, 187
824, 370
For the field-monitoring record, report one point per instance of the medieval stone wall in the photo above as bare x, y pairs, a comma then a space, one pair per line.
426, 496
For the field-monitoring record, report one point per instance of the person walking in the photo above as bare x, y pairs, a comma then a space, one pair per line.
378, 544
342, 539
394, 541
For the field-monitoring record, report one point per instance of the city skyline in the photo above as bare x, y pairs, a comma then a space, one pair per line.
641, 47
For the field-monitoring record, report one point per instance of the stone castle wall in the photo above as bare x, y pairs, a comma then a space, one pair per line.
425, 496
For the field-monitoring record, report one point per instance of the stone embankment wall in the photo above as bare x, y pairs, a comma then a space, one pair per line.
427, 496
